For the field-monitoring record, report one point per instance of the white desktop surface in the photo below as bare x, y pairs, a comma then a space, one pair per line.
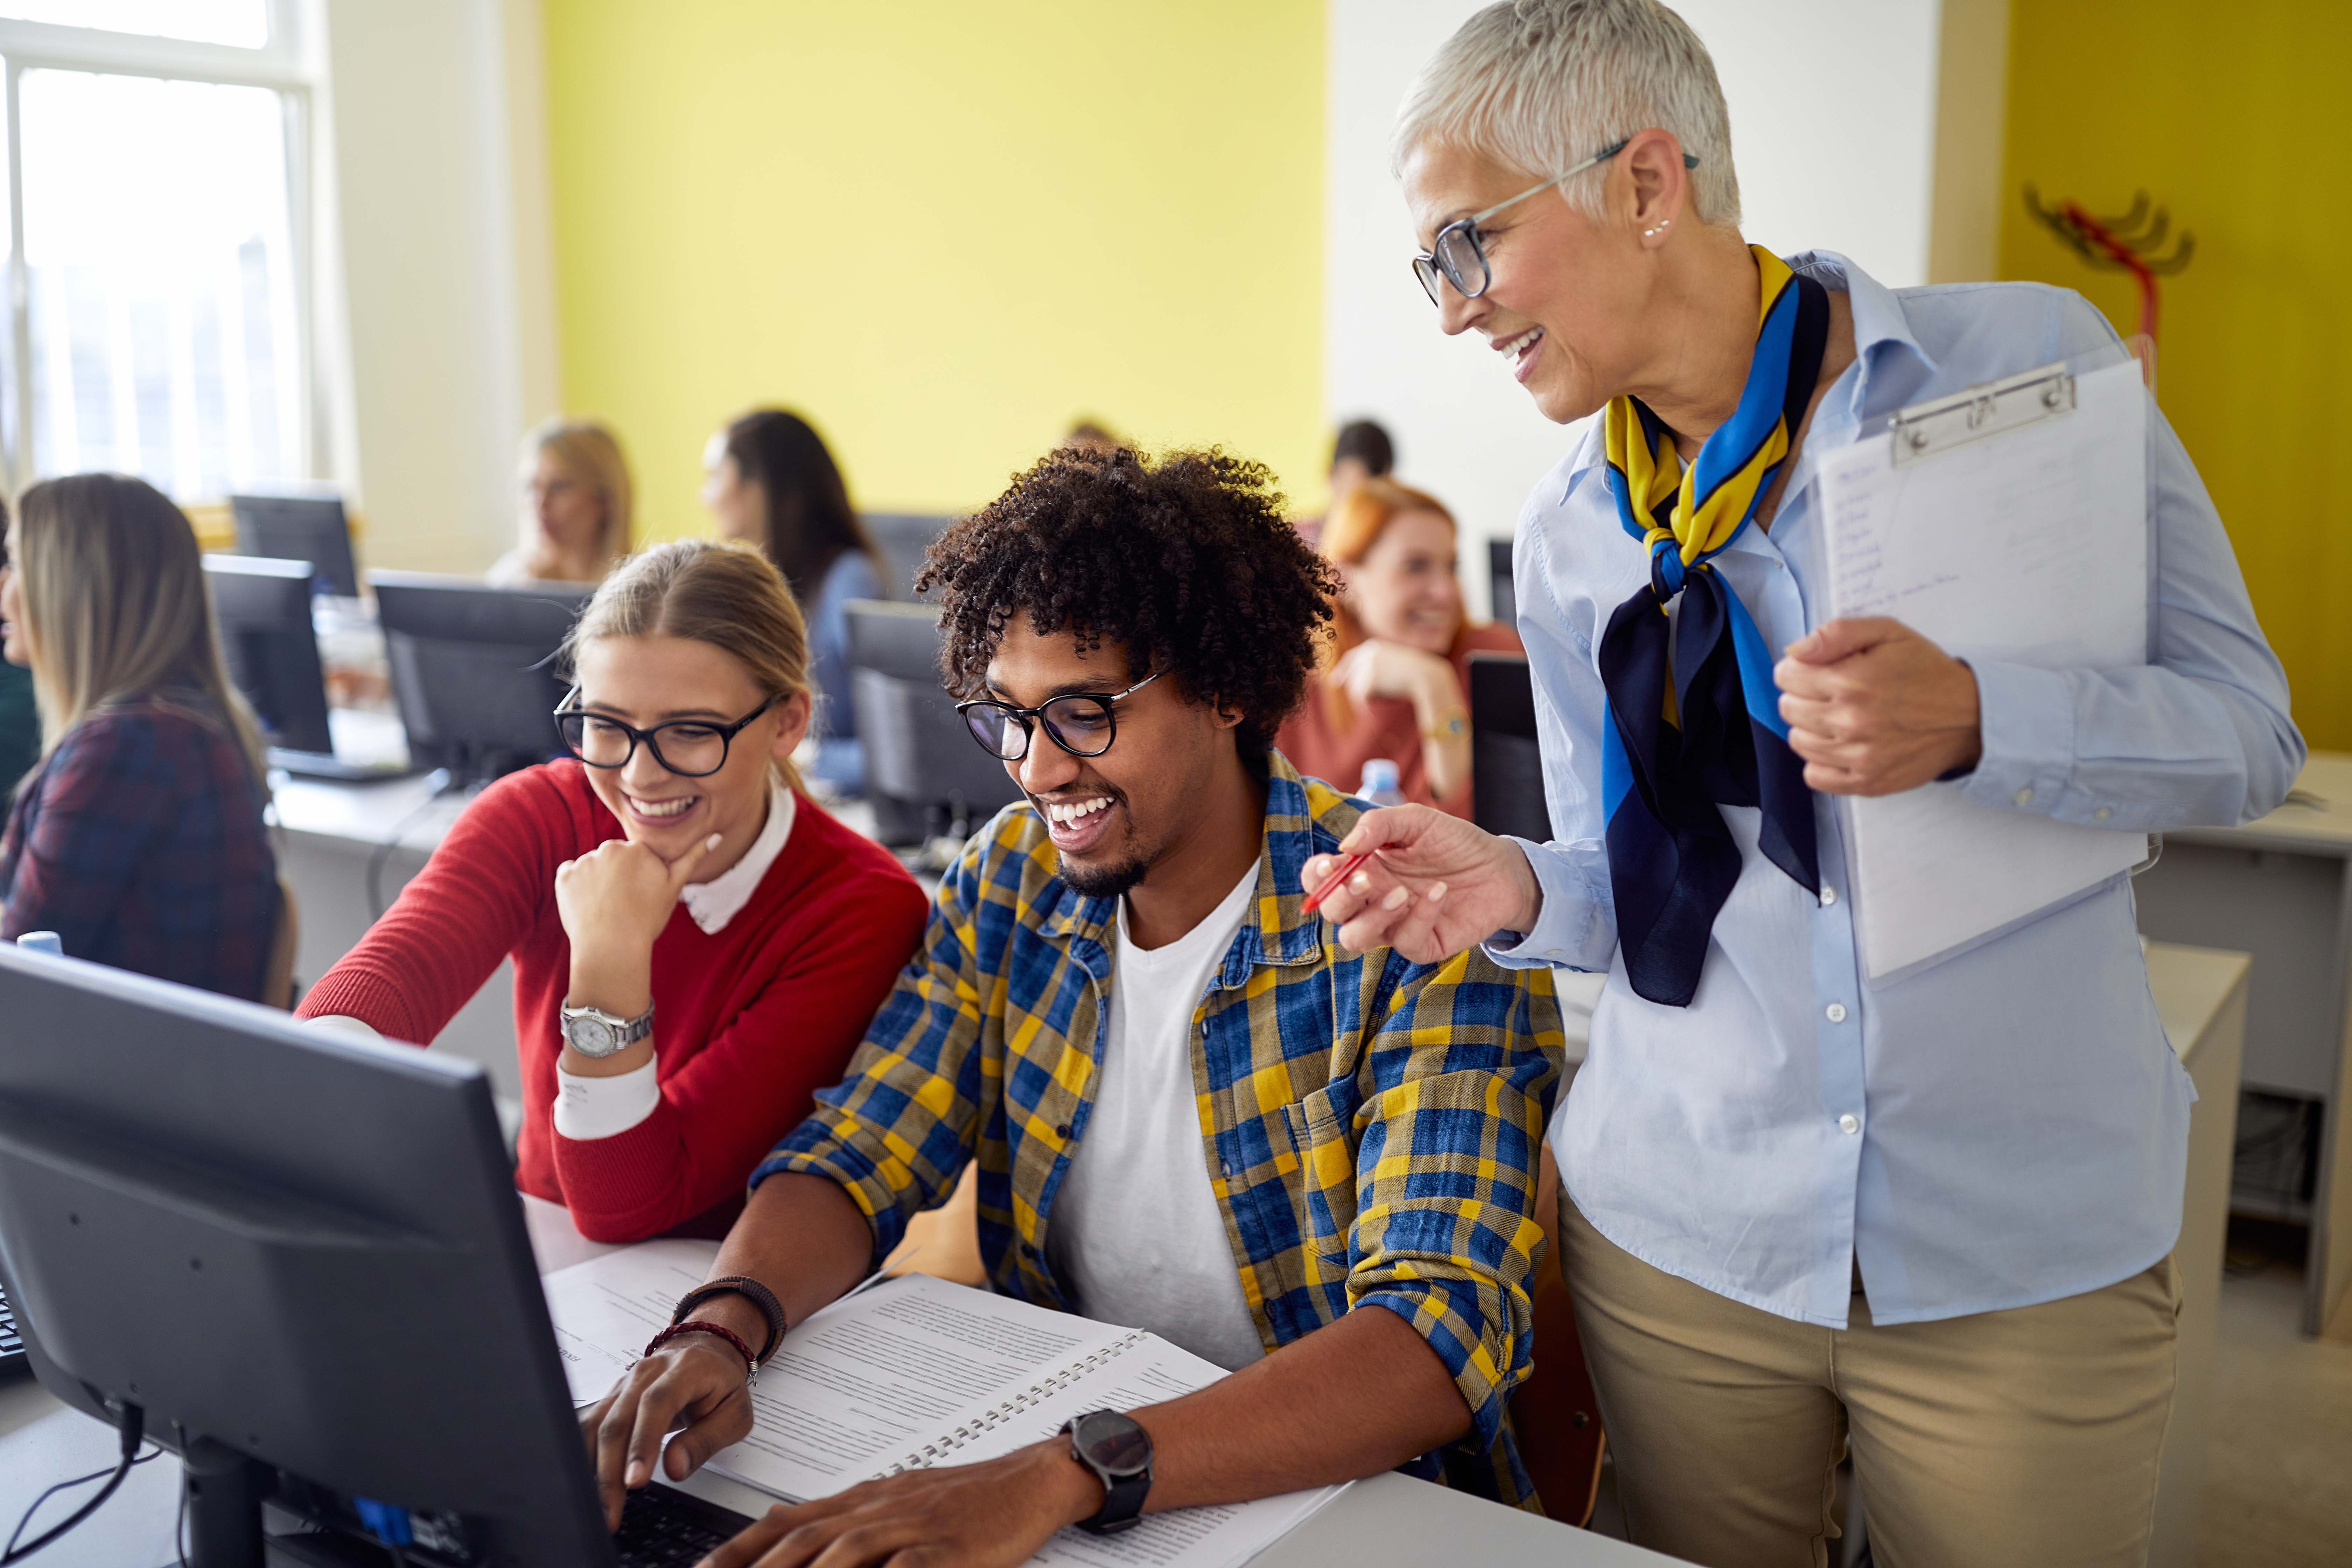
1386, 1517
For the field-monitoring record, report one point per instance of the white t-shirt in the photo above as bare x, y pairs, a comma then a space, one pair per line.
1135, 1234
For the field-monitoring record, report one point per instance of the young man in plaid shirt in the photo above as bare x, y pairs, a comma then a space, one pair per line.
1295, 1148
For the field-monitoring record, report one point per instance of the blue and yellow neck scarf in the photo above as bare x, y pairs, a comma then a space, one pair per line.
1694, 717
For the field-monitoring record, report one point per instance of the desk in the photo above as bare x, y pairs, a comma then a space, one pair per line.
2201, 995
1389, 1517
328, 834
2281, 889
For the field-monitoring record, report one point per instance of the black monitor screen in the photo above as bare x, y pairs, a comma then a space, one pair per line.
299, 527
1506, 784
263, 610
473, 668
300, 1259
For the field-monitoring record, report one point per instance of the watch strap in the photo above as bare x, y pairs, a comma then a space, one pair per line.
1123, 1496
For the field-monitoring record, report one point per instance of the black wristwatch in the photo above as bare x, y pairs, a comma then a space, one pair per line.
1119, 1451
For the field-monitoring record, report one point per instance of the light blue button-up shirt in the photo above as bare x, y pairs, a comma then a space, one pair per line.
2002, 1126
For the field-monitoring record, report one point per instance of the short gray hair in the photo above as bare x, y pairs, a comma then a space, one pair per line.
1543, 85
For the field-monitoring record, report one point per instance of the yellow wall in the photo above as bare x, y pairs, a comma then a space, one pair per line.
941, 231
2238, 119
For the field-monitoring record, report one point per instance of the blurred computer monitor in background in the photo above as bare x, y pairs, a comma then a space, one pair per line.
262, 607
1498, 581
473, 668
902, 538
924, 775
299, 527
1506, 785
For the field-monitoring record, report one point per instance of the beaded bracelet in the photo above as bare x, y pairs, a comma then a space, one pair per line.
751, 1362
752, 1291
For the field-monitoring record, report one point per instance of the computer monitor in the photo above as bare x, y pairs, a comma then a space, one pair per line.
1499, 583
262, 608
473, 667
301, 1257
299, 527
902, 538
1506, 784
924, 774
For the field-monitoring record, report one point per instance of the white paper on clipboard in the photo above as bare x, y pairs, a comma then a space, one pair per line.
2030, 547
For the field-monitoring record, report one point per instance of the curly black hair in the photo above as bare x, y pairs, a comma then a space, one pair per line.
1186, 561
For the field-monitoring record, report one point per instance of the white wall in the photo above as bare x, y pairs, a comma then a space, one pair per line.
450, 331
1833, 114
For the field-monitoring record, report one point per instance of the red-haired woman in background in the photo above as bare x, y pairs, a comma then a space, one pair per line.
1395, 688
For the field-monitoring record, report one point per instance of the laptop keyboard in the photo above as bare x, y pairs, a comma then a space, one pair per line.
661, 1528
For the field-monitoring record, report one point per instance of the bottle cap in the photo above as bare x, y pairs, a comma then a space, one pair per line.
1379, 773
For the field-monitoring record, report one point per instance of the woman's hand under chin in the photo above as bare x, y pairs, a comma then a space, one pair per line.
614, 901
1377, 667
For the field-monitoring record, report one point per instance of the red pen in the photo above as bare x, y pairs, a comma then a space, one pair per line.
1348, 867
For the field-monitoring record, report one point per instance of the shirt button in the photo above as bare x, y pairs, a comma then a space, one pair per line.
1225, 1166
1063, 1130
2025, 795
1829, 896
1835, 1012
1849, 1122
1027, 1250
2103, 813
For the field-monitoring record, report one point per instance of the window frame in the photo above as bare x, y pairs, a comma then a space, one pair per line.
292, 65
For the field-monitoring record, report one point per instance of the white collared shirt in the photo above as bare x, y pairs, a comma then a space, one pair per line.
714, 903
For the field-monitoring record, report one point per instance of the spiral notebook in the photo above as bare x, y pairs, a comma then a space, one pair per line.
913, 1372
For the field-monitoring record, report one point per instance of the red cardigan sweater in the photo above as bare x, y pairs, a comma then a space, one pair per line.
748, 1022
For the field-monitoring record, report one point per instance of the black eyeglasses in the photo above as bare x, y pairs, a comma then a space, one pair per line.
1459, 255
691, 748
1082, 724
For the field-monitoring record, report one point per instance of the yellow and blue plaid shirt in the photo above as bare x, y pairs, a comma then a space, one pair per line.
1371, 1126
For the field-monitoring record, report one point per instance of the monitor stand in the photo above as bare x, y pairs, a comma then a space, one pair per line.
224, 1493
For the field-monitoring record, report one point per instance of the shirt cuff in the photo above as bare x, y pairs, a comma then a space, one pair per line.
1564, 927
2026, 725
342, 1024
587, 1107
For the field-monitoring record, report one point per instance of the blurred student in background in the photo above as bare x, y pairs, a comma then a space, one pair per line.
1361, 451
698, 947
1402, 645
576, 501
138, 838
770, 479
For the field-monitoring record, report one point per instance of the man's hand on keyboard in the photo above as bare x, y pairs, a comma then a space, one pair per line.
698, 1377
994, 1514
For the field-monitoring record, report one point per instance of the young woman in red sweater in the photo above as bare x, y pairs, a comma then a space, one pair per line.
698, 947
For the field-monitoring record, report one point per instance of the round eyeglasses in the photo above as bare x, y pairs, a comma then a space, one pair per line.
691, 748
1459, 255
1082, 724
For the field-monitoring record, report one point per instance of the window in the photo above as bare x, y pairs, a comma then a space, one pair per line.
159, 322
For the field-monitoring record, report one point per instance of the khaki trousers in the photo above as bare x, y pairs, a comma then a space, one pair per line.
2019, 1438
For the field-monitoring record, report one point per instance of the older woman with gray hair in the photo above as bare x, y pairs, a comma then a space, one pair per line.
1929, 1214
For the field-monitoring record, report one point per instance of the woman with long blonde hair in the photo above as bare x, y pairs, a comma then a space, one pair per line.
1400, 657
577, 500
138, 838
698, 947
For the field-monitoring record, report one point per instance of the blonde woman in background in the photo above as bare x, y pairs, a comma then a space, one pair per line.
1396, 686
138, 838
577, 495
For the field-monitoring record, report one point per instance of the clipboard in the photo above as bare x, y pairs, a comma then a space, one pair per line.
2008, 524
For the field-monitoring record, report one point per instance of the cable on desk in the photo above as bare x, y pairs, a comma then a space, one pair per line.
133, 1425
443, 781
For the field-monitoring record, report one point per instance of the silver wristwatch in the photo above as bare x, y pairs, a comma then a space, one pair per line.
593, 1032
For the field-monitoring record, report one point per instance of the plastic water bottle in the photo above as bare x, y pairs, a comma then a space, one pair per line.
42, 942
1379, 785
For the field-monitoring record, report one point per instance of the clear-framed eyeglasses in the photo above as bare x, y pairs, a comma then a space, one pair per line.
691, 748
1082, 724
1459, 255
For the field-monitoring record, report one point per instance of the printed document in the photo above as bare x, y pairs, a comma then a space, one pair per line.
916, 1371
2028, 547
